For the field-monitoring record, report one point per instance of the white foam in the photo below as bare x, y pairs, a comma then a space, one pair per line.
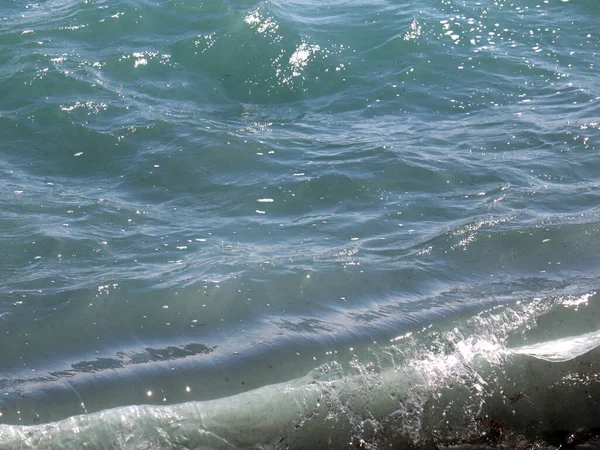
564, 349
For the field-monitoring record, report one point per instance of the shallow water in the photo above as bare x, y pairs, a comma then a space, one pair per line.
209, 204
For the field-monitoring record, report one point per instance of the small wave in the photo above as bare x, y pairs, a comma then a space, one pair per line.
458, 383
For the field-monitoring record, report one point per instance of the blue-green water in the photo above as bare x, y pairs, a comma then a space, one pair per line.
242, 224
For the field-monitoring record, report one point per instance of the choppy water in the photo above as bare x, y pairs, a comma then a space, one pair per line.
242, 224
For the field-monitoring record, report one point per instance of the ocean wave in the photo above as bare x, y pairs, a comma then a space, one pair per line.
461, 382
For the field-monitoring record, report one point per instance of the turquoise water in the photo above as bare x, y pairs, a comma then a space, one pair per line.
242, 224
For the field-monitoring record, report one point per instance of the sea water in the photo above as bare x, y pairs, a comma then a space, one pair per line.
272, 224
